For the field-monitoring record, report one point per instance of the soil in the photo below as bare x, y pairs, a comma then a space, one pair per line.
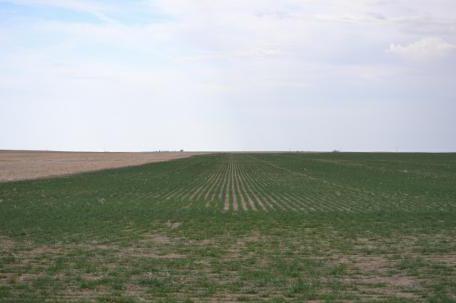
21, 165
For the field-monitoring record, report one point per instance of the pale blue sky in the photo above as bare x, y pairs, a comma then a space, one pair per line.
357, 75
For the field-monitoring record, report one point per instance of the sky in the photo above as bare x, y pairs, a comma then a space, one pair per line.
146, 75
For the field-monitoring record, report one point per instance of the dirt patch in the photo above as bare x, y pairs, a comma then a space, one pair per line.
156, 239
173, 225
449, 259
372, 264
373, 276
6, 244
394, 280
235, 251
91, 277
150, 246
21, 165
146, 253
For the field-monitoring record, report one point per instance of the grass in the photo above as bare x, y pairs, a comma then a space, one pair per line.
237, 228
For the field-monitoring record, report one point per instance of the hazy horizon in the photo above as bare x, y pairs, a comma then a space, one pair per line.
228, 151
260, 75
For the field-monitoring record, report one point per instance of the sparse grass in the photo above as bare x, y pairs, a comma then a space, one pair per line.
236, 228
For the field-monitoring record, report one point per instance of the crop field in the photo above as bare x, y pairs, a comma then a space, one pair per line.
24, 165
236, 227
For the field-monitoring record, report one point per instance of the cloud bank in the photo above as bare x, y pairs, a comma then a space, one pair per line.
426, 48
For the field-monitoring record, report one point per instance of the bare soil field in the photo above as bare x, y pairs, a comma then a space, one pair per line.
21, 165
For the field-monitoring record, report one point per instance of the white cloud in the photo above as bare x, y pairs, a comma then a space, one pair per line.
424, 49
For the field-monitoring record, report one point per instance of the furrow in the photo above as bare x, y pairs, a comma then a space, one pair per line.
223, 185
252, 197
226, 196
266, 196
254, 189
238, 188
244, 191
213, 186
233, 190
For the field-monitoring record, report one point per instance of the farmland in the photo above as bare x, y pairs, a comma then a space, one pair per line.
22, 165
233, 227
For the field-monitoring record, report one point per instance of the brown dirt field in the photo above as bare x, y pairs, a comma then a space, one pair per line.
21, 165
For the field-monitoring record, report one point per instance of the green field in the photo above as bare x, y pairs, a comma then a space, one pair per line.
268, 227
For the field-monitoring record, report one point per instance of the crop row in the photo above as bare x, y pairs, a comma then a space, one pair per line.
244, 182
